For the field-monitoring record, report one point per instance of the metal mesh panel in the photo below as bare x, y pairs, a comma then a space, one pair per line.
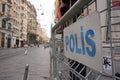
64, 68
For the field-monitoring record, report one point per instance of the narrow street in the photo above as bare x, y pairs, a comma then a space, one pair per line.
13, 61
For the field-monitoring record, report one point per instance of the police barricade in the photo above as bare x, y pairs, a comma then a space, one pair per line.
85, 50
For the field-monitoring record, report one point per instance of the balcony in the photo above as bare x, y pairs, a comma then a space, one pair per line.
5, 12
9, 1
23, 1
7, 17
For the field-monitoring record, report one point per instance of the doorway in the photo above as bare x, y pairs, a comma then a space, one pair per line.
3, 40
8, 42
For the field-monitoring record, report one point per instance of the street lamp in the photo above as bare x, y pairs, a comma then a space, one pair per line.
42, 13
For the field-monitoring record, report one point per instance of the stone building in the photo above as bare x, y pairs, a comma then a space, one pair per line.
5, 24
18, 23
23, 22
32, 23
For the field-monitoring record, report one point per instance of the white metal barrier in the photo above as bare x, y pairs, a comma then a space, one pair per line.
63, 68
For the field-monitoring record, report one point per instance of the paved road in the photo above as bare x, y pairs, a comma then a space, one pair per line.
13, 61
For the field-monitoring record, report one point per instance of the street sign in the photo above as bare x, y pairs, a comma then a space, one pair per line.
82, 41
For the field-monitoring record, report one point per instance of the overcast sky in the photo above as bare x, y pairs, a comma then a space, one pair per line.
47, 7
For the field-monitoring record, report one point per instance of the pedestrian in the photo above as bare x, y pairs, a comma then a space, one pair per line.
34, 44
56, 46
37, 43
14, 45
17, 44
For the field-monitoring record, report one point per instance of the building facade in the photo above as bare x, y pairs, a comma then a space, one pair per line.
5, 24
23, 23
18, 24
32, 24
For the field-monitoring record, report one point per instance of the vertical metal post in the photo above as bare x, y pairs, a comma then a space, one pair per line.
96, 5
70, 3
110, 29
51, 65
26, 72
51, 56
53, 53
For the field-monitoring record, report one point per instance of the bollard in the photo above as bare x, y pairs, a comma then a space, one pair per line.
26, 51
26, 72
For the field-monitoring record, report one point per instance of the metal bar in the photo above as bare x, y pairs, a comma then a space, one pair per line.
67, 61
67, 77
105, 46
96, 5
115, 31
26, 72
116, 39
88, 73
54, 53
117, 78
72, 64
117, 53
72, 75
77, 66
115, 16
98, 77
50, 67
117, 23
80, 76
107, 57
117, 60
70, 61
109, 46
111, 42
110, 7
110, 29
60, 75
82, 69
76, 8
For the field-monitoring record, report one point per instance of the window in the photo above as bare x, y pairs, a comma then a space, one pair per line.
9, 26
3, 23
3, 7
9, 1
